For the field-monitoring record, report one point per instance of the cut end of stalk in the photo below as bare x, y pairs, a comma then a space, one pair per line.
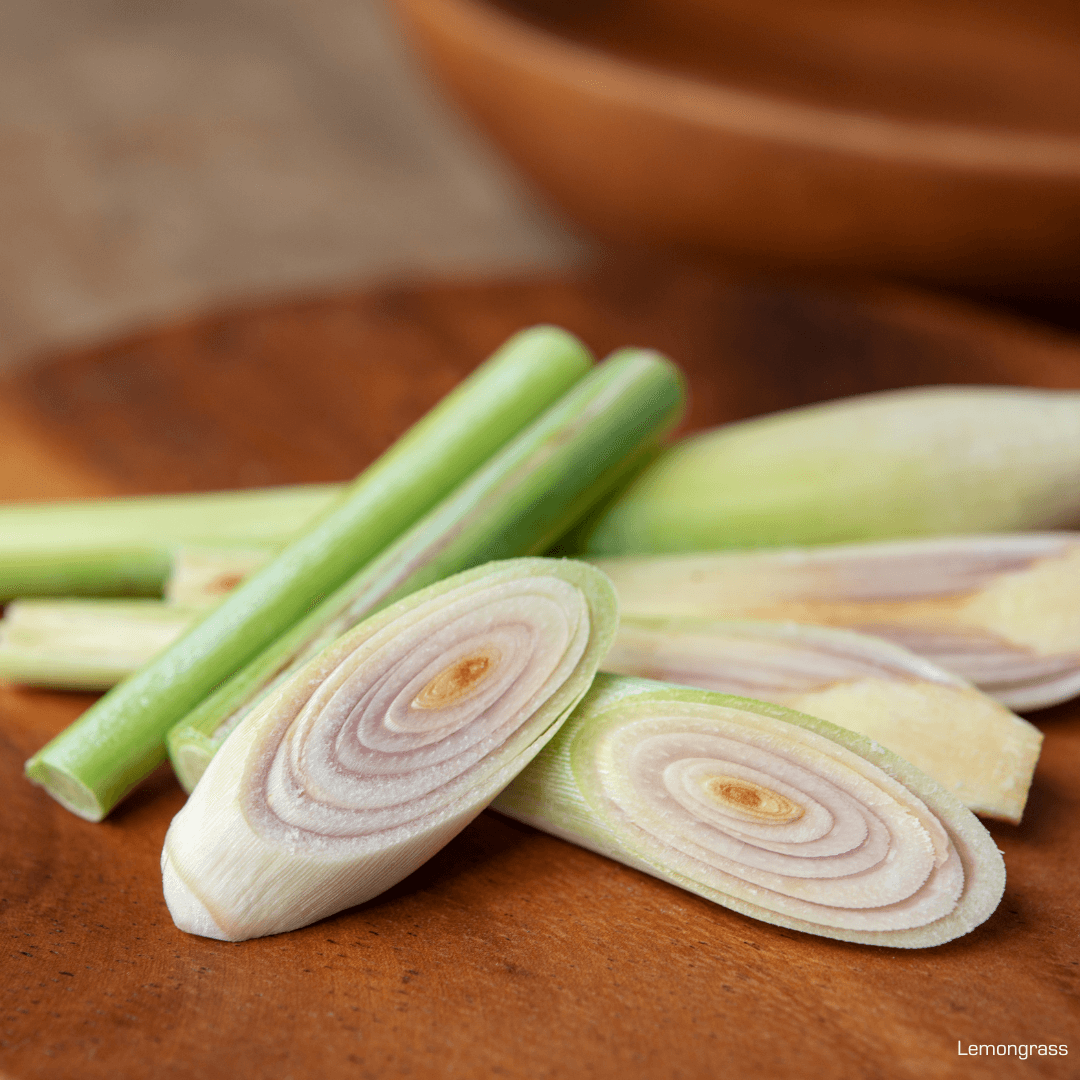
772, 813
187, 909
374, 755
201, 577
190, 756
66, 789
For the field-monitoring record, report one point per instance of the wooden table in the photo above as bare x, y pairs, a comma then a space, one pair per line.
510, 954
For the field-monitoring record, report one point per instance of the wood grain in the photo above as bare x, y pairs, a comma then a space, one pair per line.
510, 954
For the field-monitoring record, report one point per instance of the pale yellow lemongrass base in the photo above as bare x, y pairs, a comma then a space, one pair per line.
971, 745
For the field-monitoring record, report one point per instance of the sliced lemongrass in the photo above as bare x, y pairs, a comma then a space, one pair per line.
1002, 612
777, 815
521, 501
930, 461
95, 762
970, 744
384, 746
201, 577
124, 547
85, 644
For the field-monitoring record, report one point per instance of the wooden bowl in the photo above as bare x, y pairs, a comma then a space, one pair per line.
933, 140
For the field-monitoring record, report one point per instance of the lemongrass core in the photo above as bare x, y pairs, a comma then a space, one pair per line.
224, 583
458, 681
756, 802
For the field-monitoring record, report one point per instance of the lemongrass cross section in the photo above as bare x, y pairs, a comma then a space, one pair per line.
202, 576
774, 814
971, 744
384, 747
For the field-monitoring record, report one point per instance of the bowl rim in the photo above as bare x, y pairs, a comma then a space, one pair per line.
521, 43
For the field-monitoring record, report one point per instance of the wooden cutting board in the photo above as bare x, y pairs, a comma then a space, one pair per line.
510, 954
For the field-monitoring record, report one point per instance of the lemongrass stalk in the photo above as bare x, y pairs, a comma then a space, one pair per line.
774, 814
201, 577
517, 504
1002, 612
93, 644
85, 644
966, 741
90, 766
384, 746
925, 462
124, 547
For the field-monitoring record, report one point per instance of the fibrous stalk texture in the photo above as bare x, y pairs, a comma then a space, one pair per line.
931, 461
384, 746
777, 815
85, 644
88, 643
1002, 612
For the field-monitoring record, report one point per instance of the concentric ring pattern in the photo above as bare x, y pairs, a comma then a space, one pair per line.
384, 746
799, 826
405, 725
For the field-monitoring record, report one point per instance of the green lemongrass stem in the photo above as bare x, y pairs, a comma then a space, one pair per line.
1002, 612
90, 766
523, 499
86, 644
774, 814
966, 741
383, 747
201, 577
932, 461
124, 547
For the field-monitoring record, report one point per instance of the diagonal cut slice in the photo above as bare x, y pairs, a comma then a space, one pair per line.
774, 814
1002, 612
384, 746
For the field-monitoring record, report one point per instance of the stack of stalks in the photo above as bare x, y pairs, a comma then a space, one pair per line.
827, 617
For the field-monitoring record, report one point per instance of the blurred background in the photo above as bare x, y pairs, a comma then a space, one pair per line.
160, 159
